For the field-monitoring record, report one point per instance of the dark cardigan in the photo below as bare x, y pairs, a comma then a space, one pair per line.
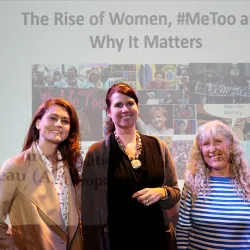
94, 192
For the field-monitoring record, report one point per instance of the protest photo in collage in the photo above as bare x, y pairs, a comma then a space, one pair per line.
219, 83
174, 99
184, 111
181, 150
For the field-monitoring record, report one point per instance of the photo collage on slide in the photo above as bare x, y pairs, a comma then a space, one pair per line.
174, 99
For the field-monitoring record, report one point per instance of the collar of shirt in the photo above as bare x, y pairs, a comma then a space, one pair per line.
59, 183
46, 161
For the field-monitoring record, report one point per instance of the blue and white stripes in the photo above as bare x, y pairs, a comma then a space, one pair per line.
219, 220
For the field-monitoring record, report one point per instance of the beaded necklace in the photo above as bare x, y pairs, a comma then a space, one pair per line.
135, 162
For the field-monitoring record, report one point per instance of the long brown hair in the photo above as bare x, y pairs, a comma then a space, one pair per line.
70, 148
121, 88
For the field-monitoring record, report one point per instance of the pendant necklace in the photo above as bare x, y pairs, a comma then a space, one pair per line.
135, 162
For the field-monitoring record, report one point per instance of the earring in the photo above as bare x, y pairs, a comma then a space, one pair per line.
231, 157
207, 166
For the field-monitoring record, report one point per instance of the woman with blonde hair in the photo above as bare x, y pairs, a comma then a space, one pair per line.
93, 80
159, 117
215, 207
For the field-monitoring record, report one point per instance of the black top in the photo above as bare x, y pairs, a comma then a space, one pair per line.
140, 226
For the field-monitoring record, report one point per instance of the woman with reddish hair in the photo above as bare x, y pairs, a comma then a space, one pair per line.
129, 181
38, 186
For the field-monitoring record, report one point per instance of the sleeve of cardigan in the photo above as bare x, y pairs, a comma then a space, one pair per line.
94, 200
171, 182
89, 182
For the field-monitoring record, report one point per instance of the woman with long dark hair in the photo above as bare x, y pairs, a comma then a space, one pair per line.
38, 186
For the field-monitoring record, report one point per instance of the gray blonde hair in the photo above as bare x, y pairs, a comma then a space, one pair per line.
197, 171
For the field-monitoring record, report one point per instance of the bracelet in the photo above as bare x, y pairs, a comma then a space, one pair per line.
166, 193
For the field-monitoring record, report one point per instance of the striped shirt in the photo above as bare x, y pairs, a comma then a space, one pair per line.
219, 220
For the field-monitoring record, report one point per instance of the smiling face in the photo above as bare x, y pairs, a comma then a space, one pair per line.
123, 111
54, 126
158, 119
158, 78
216, 152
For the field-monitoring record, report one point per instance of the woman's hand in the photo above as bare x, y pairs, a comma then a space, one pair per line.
149, 196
